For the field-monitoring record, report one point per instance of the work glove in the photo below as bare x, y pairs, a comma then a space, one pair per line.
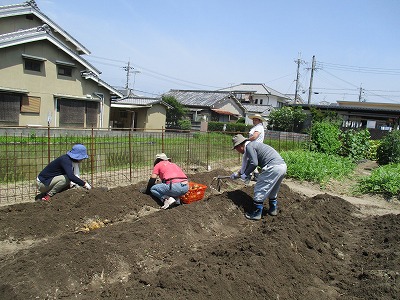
234, 176
87, 186
143, 190
244, 178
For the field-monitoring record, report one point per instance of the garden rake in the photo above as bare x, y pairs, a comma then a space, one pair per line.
218, 181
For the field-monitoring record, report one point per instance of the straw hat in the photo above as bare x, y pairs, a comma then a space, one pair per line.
237, 140
162, 156
258, 116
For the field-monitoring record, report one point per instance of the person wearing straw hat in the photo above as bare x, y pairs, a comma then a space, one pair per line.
273, 170
256, 134
59, 173
174, 182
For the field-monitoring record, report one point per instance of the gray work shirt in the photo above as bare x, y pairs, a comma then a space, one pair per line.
261, 155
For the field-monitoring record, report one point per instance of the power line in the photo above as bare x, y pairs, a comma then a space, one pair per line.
358, 69
168, 78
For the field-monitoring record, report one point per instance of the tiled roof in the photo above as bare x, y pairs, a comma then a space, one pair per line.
256, 88
197, 98
140, 101
261, 109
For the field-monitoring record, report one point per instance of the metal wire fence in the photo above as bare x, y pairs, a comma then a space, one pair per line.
116, 158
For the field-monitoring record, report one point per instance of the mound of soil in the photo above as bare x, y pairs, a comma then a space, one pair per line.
316, 248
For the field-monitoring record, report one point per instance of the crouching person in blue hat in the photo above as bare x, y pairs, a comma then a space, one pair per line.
58, 174
273, 170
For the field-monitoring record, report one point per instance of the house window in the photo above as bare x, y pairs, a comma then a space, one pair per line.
9, 108
33, 65
261, 101
30, 105
64, 68
256, 101
92, 113
65, 71
78, 113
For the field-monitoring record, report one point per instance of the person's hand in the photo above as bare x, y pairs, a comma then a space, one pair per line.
143, 190
87, 186
245, 179
234, 176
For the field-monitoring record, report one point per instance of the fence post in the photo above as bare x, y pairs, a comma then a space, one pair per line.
48, 144
279, 141
130, 156
208, 151
162, 139
188, 151
92, 155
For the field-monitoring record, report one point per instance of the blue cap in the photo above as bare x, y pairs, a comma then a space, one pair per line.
78, 152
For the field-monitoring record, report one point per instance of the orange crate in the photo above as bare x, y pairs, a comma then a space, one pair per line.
195, 193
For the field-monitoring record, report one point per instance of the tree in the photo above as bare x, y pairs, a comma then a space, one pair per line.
330, 116
175, 114
286, 119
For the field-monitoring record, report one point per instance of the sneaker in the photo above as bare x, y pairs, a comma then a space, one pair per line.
254, 215
168, 202
46, 198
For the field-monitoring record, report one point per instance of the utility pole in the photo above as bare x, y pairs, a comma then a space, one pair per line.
298, 62
128, 69
359, 95
311, 79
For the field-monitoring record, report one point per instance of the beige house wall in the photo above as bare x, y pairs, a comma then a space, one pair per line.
46, 84
156, 116
228, 105
15, 23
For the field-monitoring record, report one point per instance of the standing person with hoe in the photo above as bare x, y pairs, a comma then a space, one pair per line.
174, 182
58, 174
273, 170
256, 134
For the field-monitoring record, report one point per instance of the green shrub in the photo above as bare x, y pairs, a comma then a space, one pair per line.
325, 138
383, 180
374, 144
355, 144
230, 127
388, 150
316, 167
184, 124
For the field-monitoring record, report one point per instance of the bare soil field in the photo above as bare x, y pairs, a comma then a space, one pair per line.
117, 244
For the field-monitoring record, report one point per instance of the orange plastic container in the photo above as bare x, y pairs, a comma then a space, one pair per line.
195, 193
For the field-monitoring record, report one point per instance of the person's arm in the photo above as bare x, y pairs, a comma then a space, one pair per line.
254, 136
252, 162
66, 164
150, 183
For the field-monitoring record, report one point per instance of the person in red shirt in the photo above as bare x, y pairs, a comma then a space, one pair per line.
174, 182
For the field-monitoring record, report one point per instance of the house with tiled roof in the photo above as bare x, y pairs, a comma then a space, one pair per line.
258, 98
44, 79
139, 113
218, 106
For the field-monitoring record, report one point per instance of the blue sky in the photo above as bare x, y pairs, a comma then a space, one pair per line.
211, 44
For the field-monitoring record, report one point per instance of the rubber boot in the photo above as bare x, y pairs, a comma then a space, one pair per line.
256, 214
273, 207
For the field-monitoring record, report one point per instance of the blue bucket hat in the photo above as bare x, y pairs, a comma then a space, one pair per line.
78, 152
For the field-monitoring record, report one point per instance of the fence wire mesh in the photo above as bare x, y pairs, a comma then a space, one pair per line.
116, 158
